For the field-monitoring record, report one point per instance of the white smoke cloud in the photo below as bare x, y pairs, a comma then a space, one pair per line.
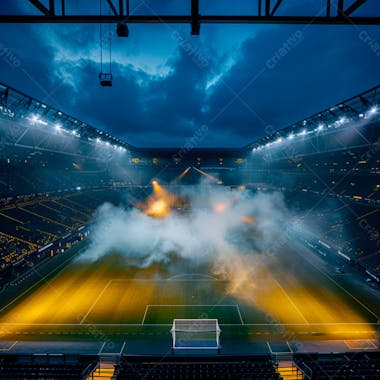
221, 238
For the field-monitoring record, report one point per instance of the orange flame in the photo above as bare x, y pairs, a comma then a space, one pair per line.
219, 207
159, 204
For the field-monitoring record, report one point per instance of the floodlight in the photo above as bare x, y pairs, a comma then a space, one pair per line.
105, 79
122, 29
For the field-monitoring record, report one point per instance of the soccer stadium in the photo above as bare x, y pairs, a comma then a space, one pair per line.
170, 255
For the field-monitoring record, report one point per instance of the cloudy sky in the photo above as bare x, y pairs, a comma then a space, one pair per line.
239, 80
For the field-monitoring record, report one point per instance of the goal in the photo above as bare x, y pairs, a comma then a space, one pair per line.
195, 334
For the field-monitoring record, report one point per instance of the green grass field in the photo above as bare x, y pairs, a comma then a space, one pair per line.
276, 297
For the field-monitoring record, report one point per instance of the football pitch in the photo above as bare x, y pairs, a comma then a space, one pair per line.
286, 296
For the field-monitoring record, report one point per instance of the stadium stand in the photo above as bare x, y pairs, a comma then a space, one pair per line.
351, 365
31, 223
327, 167
260, 367
47, 367
52, 180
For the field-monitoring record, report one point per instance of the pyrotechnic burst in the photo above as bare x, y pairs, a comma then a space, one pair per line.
160, 203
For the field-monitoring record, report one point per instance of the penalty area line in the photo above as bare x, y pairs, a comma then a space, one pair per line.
292, 302
193, 306
238, 310
10, 347
95, 302
146, 310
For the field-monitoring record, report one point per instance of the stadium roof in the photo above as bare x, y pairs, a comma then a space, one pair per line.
358, 107
16, 105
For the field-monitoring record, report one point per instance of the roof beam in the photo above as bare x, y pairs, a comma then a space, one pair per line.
340, 7
267, 8
4, 96
41, 7
195, 24
357, 4
52, 7
183, 19
110, 3
274, 10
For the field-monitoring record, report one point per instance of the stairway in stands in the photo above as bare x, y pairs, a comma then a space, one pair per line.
106, 369
286, 367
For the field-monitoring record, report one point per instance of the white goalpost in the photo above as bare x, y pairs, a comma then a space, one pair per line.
195, 334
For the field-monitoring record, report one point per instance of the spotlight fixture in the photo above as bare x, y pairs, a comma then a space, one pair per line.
122, 29
105, 79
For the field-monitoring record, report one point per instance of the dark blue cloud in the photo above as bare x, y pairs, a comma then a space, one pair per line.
289, 73
237, 80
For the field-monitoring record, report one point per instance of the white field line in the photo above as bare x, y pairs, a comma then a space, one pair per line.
238, 310
101, 348
10, 347
341, 287
95, 302
148, 306
291, 301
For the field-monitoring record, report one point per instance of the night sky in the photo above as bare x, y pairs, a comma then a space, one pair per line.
242, 81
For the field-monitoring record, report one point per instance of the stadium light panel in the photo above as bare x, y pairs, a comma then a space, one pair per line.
291, 136
373, 110
36, 120
303, 132
122, 29
320, 127
342, 120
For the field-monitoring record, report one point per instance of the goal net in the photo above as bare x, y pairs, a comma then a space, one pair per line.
195, 334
